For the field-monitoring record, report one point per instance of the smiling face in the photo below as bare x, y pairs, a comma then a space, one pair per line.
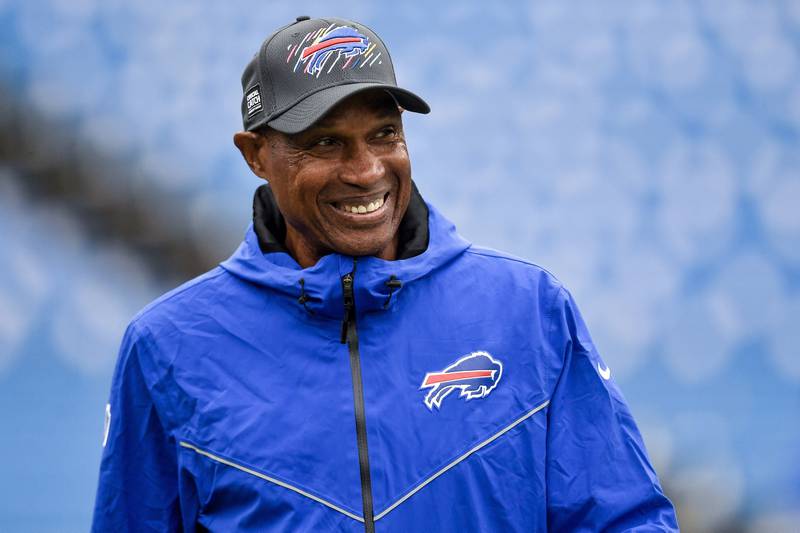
343, 185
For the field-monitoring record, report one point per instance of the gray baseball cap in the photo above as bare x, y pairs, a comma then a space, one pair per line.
305, 68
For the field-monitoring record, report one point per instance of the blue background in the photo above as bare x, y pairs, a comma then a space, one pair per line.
647, 153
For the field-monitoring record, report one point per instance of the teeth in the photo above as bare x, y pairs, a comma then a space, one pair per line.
360, 209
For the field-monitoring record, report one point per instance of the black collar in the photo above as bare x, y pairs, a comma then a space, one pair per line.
270, 226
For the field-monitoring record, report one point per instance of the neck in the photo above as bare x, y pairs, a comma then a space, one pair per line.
307, 256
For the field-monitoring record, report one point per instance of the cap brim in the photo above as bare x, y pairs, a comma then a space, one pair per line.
312, 108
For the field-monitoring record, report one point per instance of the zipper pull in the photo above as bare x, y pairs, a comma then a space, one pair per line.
347, 291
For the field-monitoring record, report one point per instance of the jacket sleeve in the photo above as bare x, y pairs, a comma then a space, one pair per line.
138, 486
599, 477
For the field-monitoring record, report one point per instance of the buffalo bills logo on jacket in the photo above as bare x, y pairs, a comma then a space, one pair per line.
335, 45
475, 375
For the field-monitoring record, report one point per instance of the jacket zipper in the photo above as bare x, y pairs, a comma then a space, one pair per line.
350, 336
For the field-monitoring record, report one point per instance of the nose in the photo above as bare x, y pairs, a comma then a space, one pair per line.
362, 167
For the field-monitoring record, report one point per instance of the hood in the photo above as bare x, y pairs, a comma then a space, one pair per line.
428, 241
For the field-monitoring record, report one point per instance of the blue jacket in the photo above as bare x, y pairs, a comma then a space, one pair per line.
456, 389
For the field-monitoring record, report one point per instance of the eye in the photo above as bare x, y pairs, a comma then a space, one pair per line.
324, 141
386, 133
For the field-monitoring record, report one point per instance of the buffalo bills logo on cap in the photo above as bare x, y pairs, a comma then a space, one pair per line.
326, 48
475, 375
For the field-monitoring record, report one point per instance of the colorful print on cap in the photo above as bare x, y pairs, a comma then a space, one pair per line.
324, 49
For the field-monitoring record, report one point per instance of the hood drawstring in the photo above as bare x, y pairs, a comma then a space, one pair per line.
393, 284
304, 297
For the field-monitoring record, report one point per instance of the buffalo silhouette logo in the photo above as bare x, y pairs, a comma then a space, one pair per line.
474, 375
343, 40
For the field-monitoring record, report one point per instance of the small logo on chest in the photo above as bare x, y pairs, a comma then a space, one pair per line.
474, 375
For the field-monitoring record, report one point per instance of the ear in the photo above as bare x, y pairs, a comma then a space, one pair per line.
249, 144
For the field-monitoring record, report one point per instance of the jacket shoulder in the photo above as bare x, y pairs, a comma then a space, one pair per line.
179, 299
497, 261
153, 334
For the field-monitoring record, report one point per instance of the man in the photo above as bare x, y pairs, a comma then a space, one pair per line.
356, 365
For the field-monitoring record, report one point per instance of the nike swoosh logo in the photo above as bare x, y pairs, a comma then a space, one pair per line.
605, 373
